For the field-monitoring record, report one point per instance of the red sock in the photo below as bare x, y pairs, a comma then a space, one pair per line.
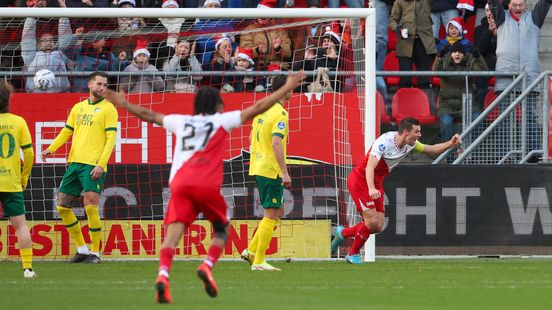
212, 256
360, 238
165, 259
351, 231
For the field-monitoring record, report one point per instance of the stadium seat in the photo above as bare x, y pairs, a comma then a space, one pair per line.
391, 63
489, 98
491, 82
382, 111
412, 102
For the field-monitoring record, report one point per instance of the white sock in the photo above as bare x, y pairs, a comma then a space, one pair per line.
163, 272
83, 250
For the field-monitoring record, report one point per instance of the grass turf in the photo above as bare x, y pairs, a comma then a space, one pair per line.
385, 284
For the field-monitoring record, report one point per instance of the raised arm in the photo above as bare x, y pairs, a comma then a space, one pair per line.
28, 41
293, 81
142, 113
437, 149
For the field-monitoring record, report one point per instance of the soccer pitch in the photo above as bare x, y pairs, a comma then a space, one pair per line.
385, 284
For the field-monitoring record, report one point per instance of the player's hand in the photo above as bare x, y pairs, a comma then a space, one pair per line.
374, 193
96, 172
46, 153
456, 140
295, 79
118, 98
23, 183
286, 180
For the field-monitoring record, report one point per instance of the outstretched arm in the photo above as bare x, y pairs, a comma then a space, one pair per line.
143, 113
293, 81
436, 149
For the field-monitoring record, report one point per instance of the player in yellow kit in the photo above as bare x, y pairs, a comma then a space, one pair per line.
93, 125
14, 135
268, 165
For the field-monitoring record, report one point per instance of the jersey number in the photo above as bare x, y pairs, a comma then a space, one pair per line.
190, 133
11, 145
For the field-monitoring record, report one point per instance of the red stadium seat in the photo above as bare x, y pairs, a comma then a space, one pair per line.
489, 98
469, 28
382, 111
391, 63
412, 102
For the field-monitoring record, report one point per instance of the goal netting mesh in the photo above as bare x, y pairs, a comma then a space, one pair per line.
237, 55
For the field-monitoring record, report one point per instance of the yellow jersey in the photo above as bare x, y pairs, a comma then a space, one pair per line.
89, 122
273, 122
14, 135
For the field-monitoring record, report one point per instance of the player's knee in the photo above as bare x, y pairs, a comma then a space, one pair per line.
220, 230
373, 225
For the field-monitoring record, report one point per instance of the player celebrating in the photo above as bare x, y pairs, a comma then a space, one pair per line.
196, 173
268, 165
14, 135
365, 183
93, 125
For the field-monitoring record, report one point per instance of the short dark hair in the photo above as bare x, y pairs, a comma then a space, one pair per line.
5, 93
408, 123
278, 81
98, 73
207, 100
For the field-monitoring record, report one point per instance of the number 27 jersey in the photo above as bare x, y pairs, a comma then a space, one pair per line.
200, 144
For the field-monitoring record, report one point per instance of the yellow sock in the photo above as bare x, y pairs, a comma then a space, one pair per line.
94, 227
72, 225
252, 248
264, 235
26, 258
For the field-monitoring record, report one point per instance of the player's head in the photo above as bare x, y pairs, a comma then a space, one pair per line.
97, 83
410, 128
5, 93
279, 81
208, 101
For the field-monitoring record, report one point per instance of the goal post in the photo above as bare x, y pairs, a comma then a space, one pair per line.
329, 131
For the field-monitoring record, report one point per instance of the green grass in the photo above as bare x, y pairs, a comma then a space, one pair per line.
385, 284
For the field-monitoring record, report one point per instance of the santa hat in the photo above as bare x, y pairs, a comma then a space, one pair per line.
207, 2
141, 48
220, 38
458, 23
131, 2
465, 4
274, 67
267, 4
166, 3
247, 54
332, 32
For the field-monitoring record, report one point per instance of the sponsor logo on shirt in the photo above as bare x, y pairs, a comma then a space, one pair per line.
281, 125
381, 147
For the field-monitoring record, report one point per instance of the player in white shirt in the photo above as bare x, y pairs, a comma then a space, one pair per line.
196, 172
365, 183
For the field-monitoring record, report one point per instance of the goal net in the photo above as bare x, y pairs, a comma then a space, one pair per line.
160, 57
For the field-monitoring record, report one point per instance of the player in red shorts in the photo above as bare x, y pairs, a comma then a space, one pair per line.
196, 172
365, 183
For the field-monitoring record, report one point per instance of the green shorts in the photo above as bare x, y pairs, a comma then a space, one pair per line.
77, 179
271, 191
13, 203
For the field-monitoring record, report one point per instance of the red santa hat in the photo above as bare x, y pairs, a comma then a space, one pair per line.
166, 3
219, 39
141, 48
207, 2
332, 31
267, 4
458, 23
274, 67
465, 5
247, 54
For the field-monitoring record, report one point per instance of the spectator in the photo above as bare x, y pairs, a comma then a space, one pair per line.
308, 64
127, 28
485, 42
328, 54
183, 60
349, 3
383, 10
518, 51
442, 12
222, 61
45, 54
455, 33
162, 50
141, 83
94, 58
453, 88
302, 36
244, 62
126, 23
269, 46
415, 41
